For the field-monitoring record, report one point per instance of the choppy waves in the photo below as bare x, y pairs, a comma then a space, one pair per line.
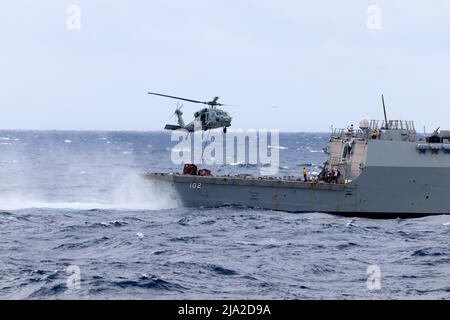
221, 253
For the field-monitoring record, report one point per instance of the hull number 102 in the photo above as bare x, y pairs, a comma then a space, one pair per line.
195, 185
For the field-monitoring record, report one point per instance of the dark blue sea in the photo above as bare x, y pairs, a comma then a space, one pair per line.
77, 201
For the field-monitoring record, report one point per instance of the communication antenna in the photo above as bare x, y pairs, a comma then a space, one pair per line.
385, 116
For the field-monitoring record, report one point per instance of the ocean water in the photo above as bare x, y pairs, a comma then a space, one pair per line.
75, 201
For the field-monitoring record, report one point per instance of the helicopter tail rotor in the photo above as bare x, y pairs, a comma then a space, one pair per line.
177, 111
179, 115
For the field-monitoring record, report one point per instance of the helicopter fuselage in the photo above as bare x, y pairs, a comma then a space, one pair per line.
210, 118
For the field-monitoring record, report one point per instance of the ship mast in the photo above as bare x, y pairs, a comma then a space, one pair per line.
385, 116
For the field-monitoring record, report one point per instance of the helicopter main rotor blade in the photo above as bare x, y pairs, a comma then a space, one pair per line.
178, 98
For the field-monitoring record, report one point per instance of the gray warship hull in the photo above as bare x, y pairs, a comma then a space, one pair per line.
384, 178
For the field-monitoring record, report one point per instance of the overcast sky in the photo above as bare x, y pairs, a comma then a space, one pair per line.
318, 61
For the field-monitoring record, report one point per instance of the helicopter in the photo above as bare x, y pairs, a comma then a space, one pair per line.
209, 118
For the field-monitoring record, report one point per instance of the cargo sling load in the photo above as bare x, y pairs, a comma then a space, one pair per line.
386, 171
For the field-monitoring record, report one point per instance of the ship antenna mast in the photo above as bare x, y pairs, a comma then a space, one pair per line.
385, 116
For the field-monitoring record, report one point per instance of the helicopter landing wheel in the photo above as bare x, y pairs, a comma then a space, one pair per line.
224, 129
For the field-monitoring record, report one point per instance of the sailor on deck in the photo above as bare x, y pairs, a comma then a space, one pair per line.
305, 174
375, 134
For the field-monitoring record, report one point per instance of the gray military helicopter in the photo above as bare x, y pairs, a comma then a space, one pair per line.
210, 118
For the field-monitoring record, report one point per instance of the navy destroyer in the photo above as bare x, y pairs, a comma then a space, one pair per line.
385, 170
